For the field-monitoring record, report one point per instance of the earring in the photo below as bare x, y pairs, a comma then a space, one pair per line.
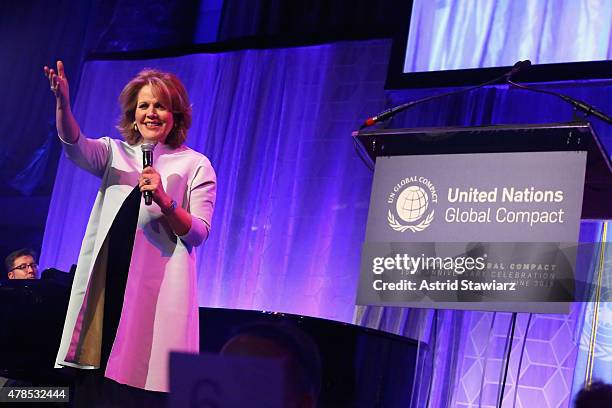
135, 127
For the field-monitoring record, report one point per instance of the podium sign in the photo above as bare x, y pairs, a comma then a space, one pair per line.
486, 231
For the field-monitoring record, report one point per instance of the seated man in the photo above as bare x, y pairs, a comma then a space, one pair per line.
21, 264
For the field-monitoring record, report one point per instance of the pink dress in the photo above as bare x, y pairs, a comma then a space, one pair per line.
160, 308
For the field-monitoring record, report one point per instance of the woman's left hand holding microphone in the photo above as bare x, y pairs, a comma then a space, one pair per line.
150, 180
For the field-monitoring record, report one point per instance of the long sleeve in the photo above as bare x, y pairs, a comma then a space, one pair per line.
91, 155
202, 193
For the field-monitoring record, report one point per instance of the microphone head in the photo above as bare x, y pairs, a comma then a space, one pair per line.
519, 66
147, 146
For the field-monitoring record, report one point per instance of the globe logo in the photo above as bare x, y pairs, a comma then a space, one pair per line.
412, 203
412, 199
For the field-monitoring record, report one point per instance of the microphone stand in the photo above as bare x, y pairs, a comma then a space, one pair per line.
577, 104
389, 113
507, 77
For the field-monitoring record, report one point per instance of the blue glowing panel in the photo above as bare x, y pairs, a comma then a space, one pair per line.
464, 34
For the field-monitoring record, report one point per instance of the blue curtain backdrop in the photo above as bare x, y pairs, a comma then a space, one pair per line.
32, 33
293, 198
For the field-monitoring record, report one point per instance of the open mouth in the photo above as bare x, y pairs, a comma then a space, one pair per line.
153, 125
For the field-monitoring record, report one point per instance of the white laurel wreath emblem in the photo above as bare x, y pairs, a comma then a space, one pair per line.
393, 223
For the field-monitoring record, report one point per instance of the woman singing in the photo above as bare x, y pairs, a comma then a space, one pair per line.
134, 297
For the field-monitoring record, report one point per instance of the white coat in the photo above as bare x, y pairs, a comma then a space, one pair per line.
160, 308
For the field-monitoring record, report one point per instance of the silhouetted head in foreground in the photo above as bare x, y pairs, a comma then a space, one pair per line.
300, 355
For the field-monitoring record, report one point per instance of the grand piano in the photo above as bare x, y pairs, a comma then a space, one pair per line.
361, 367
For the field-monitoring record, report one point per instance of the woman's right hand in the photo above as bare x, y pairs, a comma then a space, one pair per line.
67, 127
58, 84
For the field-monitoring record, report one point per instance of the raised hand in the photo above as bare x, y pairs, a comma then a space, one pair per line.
67, 126
58, 83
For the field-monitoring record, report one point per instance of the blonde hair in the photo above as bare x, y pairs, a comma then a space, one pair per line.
170, 91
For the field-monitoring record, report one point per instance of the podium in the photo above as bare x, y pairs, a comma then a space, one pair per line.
569, 136
506, 198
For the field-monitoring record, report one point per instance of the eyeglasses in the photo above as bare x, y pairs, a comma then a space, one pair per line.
23, 267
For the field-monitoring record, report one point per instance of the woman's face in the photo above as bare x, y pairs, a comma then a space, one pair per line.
154, 120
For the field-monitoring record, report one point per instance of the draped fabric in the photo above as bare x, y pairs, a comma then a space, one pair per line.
456, 34
26, 108
32, 34
292, 194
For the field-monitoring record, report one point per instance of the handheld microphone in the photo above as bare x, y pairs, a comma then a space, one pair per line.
147, 160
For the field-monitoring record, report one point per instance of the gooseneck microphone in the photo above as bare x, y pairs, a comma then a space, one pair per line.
520, 66
389, 113
578, 105
147, 160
